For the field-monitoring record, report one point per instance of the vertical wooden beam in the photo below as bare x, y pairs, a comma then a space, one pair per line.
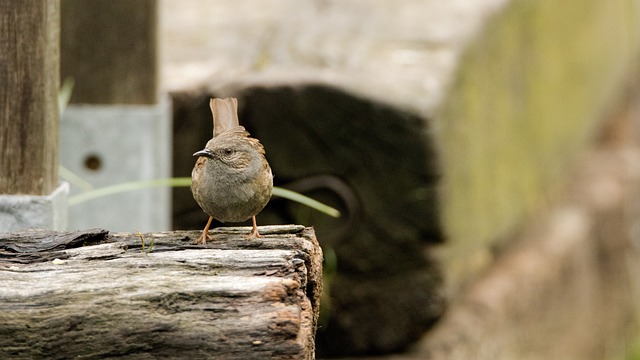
109, 48
29, 80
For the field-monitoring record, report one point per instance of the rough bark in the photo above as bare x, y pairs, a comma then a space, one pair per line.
104, 297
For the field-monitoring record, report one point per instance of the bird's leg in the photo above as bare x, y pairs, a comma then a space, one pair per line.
205, 233
254, 232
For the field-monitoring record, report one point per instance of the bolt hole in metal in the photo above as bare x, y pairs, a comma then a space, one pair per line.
93, 162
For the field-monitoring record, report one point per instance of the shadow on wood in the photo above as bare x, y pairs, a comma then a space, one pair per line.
97, 295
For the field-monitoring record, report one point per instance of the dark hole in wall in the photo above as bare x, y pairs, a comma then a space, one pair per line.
373, 162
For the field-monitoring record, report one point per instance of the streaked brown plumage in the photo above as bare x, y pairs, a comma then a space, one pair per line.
231, 180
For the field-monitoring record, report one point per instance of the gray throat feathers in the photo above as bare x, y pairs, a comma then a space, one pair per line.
225, 114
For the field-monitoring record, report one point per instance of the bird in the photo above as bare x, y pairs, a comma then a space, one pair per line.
231, 180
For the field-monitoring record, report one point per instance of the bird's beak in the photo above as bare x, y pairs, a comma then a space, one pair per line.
204, 152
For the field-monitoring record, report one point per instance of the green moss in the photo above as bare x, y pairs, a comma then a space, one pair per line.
633, 353
529, 95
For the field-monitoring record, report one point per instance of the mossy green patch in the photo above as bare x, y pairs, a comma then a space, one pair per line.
529, 94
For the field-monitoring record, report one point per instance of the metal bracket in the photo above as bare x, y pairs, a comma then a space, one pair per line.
112, 144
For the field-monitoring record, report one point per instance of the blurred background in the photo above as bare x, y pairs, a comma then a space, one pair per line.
483, 154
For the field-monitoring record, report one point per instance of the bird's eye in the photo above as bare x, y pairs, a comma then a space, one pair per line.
228, 151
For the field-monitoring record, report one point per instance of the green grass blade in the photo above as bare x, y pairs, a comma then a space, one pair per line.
305, 200
64, 95
186, 181
74, 179
128, 186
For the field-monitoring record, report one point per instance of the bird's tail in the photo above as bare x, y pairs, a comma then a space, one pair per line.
225, 114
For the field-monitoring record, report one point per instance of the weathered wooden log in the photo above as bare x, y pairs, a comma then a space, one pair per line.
439, 128
97, 295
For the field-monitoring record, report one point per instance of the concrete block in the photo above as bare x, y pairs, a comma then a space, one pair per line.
19, 212
108, 145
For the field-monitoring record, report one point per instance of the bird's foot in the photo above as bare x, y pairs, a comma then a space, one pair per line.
254, 231
202, 240
205, 233
253, 234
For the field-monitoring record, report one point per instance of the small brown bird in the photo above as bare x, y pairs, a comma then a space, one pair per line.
232, 179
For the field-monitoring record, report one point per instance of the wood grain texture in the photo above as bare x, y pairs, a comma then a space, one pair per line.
29, 78
231, 299
109, 48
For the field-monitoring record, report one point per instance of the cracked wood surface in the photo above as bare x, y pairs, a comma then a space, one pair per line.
98, 295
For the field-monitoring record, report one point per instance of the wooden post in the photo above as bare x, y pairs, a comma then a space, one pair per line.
106, 297
29, 80
109, 49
